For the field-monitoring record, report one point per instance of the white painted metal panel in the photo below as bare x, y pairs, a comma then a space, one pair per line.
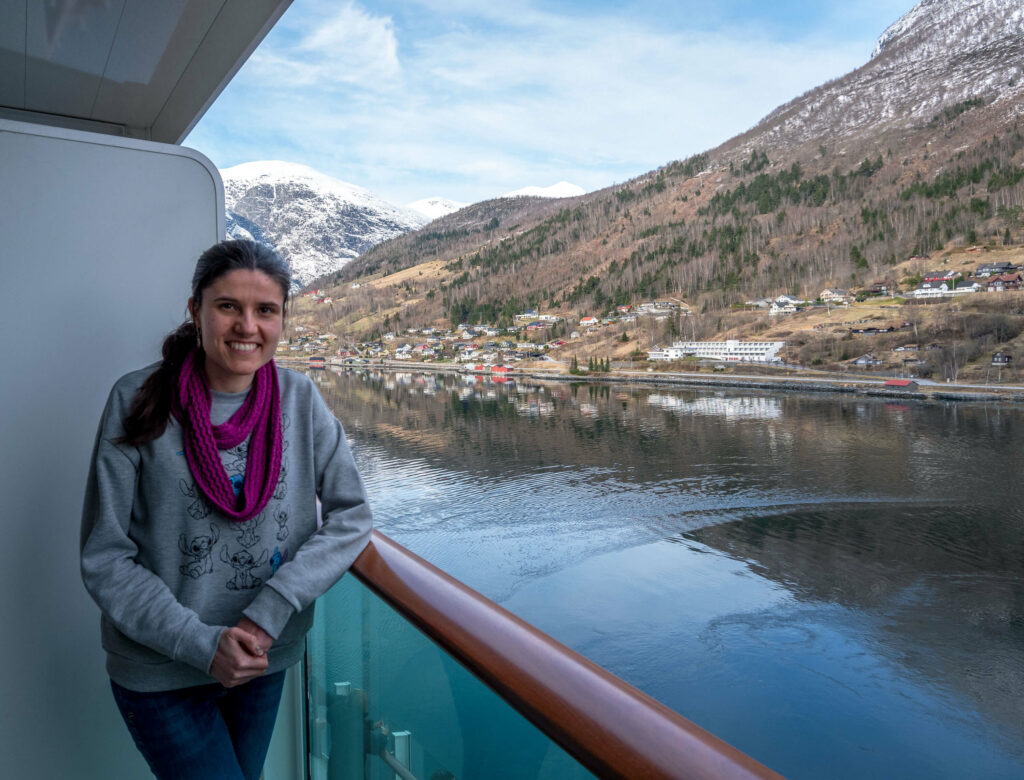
98, 238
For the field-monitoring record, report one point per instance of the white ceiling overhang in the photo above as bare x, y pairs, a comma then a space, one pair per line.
139, 68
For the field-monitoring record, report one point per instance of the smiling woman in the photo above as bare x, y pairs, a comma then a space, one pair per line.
239, 320
203, 611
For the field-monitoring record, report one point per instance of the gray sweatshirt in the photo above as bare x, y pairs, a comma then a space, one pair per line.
170, 572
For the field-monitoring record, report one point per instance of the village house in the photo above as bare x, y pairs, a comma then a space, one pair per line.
905, 385
781, 308
832, 295
1001, 358
994, 269
930, 290
967, 287
866, 361
941, 276
1001, 282
588, 321
659, 309
882, 287
936, 289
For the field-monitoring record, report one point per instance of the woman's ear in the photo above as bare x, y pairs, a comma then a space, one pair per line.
193, 310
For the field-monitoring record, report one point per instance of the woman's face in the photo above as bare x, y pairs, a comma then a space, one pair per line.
240, 320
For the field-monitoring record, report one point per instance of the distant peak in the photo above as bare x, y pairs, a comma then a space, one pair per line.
561, 190
434, 208
281, 170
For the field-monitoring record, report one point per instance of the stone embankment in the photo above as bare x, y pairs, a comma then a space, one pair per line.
844, 385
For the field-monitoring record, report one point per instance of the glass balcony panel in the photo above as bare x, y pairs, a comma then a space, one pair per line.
375, 683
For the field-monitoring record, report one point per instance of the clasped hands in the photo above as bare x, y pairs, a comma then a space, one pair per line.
241, 654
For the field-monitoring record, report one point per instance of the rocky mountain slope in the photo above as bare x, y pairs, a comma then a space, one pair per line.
317, 223
940, 54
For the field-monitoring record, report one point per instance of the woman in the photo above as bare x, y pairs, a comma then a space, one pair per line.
200, 540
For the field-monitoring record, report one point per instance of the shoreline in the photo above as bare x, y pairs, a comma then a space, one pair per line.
843, 386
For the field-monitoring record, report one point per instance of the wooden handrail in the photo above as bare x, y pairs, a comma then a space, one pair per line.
610, 727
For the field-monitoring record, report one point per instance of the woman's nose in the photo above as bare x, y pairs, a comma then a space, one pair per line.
246, 322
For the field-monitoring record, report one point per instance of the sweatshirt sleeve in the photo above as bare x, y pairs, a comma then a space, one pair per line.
134, 599
323, 558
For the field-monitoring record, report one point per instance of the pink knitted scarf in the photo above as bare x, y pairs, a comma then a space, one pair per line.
259, 415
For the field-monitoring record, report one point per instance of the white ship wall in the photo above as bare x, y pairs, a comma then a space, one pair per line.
98, 237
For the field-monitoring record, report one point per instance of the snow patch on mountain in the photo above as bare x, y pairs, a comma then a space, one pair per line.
434, 208
317, 223
940, 53
561, 190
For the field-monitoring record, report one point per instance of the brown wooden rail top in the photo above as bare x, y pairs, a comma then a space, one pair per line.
606, 724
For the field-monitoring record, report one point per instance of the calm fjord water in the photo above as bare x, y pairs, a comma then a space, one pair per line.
833, 585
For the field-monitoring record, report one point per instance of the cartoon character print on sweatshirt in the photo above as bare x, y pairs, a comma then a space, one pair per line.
248, 537
199, 508
236, 458
200, 553
281, 518
234, 465
281, 490
277, 559
243, 563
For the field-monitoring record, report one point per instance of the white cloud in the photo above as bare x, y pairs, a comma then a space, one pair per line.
350, 47
496, 96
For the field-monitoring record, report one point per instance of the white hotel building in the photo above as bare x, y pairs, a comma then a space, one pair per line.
732, 350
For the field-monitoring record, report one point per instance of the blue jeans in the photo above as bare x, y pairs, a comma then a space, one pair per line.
208, 732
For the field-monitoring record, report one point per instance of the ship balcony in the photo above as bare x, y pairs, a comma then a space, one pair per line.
410, 674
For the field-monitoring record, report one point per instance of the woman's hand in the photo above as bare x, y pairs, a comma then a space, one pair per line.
263, 639
239, 658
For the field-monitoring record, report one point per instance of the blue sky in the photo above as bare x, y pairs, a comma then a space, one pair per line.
468, 99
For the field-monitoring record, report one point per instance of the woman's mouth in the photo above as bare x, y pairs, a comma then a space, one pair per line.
239, 346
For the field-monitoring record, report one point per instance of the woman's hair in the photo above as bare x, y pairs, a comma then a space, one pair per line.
151, 407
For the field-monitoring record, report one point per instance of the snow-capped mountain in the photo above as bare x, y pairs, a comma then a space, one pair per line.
561, 190
940, 53
317, 223
433, 208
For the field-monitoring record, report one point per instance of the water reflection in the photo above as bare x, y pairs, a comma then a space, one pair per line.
832, 584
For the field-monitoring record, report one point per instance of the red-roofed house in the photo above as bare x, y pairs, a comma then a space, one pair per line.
907, 385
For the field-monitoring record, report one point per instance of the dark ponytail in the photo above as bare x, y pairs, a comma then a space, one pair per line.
151, 407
